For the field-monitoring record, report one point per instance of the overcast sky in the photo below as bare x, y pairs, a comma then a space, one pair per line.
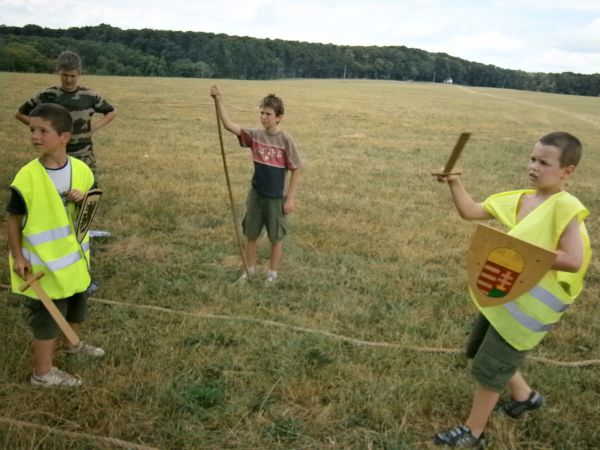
531, 35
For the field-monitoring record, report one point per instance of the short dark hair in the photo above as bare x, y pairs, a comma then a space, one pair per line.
57, 115
273, 102
569, 146
68, 60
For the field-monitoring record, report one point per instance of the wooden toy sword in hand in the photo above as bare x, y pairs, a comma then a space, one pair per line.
460, 144
32, 281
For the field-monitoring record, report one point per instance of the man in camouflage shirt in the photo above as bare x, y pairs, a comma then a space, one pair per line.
81, 102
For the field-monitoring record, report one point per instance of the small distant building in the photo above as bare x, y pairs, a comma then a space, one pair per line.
448, 80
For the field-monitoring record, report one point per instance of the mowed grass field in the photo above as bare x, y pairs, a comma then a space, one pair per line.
358, 344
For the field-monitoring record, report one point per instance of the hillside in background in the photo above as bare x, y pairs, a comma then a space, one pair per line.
108, 50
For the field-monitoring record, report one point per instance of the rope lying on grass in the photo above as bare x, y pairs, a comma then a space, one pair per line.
76, 435
339, 337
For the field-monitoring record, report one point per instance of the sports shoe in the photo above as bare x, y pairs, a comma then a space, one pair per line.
93, 287
243, 279
459, 437
55, 377
84, 348
246, 276
271, 278
516, 408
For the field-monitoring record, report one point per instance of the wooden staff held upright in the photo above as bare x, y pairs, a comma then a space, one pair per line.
233, 213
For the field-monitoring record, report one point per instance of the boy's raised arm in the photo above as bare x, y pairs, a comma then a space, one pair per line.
222, 111
467, 208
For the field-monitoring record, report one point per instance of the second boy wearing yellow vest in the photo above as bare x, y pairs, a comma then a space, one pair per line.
548, 217
48, 234
41, 237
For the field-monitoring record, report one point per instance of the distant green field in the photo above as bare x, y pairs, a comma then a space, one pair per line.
357, 346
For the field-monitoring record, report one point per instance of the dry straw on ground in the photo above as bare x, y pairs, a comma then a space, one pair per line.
375, 253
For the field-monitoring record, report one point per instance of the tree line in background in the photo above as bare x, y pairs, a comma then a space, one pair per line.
107, 50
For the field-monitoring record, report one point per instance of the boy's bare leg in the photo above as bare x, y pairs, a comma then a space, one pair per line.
484, 402
43, 351
251, 252
519, 388
276, 250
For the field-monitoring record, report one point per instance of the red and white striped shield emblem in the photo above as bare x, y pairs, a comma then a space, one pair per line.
502, 267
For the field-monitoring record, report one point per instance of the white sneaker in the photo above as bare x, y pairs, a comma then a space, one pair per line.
271, 277
245, 277
86, 349
55, 377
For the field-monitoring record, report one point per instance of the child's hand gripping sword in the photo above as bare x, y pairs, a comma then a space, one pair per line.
460, 144
32, 281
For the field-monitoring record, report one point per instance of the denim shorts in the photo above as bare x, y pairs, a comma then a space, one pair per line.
495, 361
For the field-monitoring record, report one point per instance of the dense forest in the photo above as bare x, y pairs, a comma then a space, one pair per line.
108, 50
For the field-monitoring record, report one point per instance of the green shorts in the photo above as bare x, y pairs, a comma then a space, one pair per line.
262, 212
41, 323
495, 361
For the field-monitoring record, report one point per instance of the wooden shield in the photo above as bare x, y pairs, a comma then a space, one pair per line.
86, 212
502, 267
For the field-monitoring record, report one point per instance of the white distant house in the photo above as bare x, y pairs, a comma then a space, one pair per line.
448, 80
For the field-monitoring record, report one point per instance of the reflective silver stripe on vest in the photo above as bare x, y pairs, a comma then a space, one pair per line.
48, 236
55, 265
527, 321
548, 299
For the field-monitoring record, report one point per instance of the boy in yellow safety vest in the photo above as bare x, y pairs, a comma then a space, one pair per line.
41, 237
548, 217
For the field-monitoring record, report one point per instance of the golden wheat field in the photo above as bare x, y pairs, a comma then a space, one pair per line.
358, 345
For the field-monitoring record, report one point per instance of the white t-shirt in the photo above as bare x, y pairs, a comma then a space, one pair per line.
62, 179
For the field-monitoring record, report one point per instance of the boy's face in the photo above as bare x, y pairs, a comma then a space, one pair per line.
69, 79
268, 119
544, 167
44, 137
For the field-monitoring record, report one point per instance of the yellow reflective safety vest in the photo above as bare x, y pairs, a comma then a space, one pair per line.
48, 232
524, 321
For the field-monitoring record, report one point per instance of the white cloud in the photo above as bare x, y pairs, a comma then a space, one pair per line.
545, 5
584, 39
556, 60
492, 41
502, 32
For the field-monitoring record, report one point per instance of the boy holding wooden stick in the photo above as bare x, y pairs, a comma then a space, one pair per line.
548, 217
274, 153
41, 238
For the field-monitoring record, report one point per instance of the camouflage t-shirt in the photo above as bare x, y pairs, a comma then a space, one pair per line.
81, 103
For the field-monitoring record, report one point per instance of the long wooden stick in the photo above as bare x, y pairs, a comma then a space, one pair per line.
458, 148
233, 213
32, 281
